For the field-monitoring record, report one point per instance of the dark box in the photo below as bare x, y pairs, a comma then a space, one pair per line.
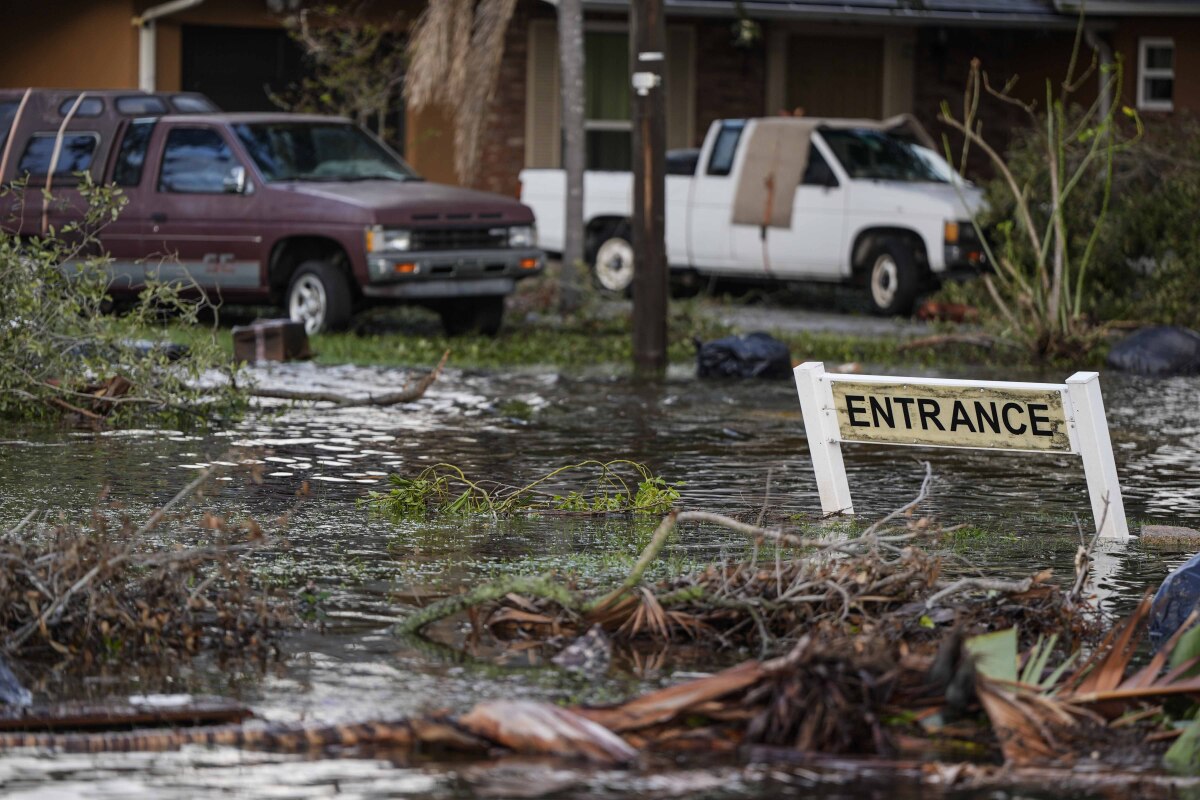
270, 340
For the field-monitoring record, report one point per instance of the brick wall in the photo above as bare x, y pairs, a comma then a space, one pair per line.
943, 58
502, 150
730, 82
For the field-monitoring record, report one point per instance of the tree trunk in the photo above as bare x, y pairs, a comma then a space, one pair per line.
571, 60
647, 52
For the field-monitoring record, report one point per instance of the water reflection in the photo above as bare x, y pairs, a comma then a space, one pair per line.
738, 446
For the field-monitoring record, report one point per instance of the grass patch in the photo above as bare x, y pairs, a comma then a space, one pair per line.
599, 334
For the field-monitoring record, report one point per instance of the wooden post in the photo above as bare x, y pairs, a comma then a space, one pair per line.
820, 426
1095, 445
647, 56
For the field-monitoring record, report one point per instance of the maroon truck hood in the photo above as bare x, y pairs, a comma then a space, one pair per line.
418, 202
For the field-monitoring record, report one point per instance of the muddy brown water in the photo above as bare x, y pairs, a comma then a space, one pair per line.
737, 446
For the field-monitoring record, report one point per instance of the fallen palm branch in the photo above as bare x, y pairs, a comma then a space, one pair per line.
409, 393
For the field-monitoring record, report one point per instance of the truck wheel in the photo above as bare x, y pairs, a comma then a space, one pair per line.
613, 263
473, 315
893, 278
319, 297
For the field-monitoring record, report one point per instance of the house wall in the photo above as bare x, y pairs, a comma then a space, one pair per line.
91, 44
730, 82
503, 141
943, 60
1186, 33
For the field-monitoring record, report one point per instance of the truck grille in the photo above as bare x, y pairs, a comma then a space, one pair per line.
459, 238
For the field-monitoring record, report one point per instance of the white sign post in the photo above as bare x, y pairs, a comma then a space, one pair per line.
934, 412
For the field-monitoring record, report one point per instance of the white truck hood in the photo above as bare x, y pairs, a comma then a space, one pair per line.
904, 198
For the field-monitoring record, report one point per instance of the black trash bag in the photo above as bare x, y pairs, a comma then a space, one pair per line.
1178, 596
1162, 350
756, 355
12, 693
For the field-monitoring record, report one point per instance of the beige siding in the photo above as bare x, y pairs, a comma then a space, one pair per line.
680, 86
543, 139
898, 71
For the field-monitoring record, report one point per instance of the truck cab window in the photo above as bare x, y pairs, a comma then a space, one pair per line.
721, 160
74, 156
818, 172
196, 161
131, 158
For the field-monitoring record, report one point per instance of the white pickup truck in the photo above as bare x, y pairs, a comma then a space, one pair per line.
789, 199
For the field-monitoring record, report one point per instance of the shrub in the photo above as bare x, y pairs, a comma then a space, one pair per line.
1048, 206
60, 353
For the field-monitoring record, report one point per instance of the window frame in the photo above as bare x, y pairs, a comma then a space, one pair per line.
119, 151
1146, 73
596, 124
736, 125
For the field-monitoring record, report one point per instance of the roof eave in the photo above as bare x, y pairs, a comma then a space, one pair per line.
840, 12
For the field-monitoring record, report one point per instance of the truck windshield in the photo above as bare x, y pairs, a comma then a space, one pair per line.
875, 155
319, 151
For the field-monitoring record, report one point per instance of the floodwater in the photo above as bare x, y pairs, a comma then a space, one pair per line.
739, 448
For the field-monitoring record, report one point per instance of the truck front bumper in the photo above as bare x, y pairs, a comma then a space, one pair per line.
430, 275
964, 261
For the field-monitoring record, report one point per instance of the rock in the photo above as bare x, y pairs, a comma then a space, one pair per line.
1162, 350
756, 355
1175, 537
590, 654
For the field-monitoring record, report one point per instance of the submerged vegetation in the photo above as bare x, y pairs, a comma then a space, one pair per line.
617, 487
113, 591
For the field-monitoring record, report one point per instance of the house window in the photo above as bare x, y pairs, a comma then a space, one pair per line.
1156, 74
607, 122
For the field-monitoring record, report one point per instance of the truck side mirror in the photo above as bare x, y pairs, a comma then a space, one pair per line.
235, 182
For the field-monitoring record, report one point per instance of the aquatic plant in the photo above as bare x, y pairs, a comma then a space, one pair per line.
614, 487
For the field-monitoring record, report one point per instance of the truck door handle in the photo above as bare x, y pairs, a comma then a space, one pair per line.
158, 216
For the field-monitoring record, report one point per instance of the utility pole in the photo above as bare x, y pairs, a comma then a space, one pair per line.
571, 57
647, 56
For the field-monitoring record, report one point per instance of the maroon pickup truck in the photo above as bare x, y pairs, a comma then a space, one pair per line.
309, 212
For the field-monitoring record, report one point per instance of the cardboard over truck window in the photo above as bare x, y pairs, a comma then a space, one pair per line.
930, 412
776, 155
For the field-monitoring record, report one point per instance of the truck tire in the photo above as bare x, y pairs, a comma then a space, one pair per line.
893, 278
472, 315
612, 265
319, 297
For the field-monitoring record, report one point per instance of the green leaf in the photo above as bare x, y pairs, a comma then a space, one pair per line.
1187, 648
995, 654
1184, 756
926, 622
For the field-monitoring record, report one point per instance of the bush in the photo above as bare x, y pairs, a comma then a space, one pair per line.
60, 353
1148, 255
1048, 205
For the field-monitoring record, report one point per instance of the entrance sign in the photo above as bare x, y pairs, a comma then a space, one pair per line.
934, 412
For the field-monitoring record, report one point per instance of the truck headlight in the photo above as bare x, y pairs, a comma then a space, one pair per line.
522, 236
385, 240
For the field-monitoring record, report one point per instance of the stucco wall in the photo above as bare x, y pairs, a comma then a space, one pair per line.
72, 44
